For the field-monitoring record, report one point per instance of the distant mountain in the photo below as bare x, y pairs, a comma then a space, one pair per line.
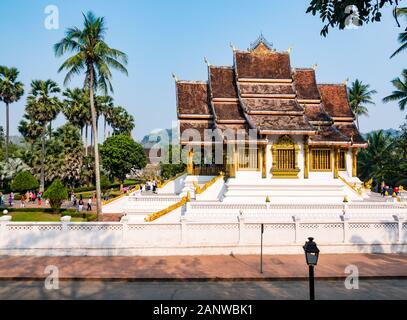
160, 137
392, 132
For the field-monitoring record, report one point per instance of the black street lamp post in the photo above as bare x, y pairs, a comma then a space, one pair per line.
311, 255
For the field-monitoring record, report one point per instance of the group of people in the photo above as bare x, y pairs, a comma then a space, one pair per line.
79, 204
386, 190
31, 197
150, 185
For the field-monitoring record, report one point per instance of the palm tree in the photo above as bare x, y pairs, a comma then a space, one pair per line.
402, 38
11, 91
400, 94
95, 57
373, 162
76, 109
122, 122
359, 97
43, 106
104, 107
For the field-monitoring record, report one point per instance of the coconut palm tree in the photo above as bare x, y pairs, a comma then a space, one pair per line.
402, 38
93, 56
43, 106
11, 91
359, 97
400, 94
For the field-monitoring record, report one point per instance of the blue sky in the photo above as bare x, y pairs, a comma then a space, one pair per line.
162, 37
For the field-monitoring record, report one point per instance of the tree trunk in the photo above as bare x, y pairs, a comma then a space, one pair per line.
104, 129
42, 174
357, 121
7, 129
86, 140
95, 146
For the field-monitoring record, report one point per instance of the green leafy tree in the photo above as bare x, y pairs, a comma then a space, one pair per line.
400, 94
56, 194
104, 182
65, 153
24, 181
8, 169
360, 96
378, 159
11, 91
340, 13
403, 35
172, 163
43, 106
121, 155
93, 56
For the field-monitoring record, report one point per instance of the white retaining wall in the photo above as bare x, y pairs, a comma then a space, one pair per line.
239, 236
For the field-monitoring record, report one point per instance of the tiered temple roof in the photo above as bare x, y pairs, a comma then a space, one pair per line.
261, 92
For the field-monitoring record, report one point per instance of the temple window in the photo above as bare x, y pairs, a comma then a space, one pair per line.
248, 158
342, 160
321, 160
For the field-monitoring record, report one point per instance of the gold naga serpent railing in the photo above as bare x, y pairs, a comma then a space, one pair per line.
105, 202
357, 190
167, 210
199, 190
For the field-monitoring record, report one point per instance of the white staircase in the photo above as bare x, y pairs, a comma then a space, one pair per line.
143, 205
255, 190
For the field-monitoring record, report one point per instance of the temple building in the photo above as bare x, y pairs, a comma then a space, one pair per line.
286, 124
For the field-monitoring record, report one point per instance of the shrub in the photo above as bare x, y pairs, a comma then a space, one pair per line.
56, 193
23, 182
104, 182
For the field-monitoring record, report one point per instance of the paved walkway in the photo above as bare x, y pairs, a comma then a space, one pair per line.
203, 267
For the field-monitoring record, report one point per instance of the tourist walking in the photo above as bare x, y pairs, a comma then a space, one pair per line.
39, 197
10, 199
1, 199
89, 208
22, 205
80, 204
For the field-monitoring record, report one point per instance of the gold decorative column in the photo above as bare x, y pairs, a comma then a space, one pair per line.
354, 162
190, 164
264, 161
306, 152
231, 156
336, 163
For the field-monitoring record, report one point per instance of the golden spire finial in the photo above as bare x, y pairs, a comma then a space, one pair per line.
174, 76
232, 46
289, 50
345, 82
207, 62
314, 66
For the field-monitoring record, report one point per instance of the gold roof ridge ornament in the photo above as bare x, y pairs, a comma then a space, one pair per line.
207, 62
261, 41
345, 82
174, 77
289, 50
314, 66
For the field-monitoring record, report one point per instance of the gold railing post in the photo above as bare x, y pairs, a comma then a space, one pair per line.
264, 161
336, 163
190, 164
354, 162
306, 152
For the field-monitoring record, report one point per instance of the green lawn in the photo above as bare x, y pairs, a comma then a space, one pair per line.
40, 217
